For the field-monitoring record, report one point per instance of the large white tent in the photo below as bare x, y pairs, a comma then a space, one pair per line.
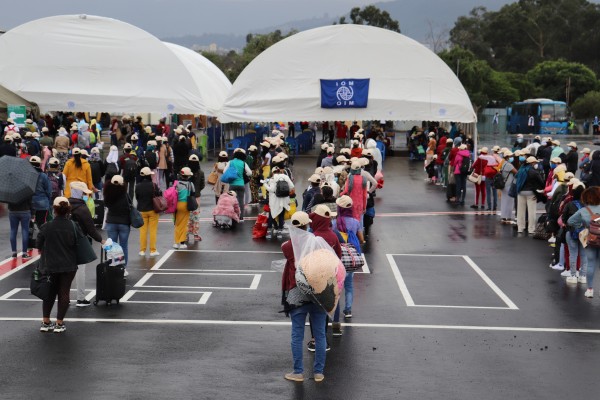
407, 80
81, 63
211, 82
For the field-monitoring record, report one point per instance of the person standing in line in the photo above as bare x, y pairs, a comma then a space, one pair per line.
118, 221
277, 204
297, 305
242, 169
460, 176
57, 242
77, 169
40, 203
145, 190
528, 181
81, 214
199, 182
128, 166
508, 173
341, 133
219, 167
185, 188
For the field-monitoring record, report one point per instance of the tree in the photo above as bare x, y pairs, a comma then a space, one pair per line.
587, 106
551, 79
373, 16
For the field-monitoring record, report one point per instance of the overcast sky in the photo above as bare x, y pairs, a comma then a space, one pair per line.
165, 18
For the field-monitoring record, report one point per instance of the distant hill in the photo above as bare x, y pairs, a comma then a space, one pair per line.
414, 18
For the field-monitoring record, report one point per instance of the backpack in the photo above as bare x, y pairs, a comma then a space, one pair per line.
54, 184
593, 239
282, 188
92, 138
499, 182
111, 170
465, 165
129, 169
171, 196
151, 161
32, 149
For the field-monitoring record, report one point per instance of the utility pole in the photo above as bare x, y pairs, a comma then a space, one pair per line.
568, 90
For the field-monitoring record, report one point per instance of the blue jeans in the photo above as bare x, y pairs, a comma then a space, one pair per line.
16, 218
461, 187
576, 248
349, 294
318, 320
593, 258
119, 233
491, 191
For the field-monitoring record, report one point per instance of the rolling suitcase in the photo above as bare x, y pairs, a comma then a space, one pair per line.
110, 281
99, 213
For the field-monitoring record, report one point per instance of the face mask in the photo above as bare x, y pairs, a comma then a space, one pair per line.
150, 148
519, 140
85, 198
511, 159
552, 165
521, 158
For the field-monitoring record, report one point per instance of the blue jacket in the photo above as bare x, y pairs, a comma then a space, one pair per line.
43, 193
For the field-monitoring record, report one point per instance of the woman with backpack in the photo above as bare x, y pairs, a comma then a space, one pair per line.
185, 188
278, 188
77, 169
576, 249
199, 183
238, 184
582, 219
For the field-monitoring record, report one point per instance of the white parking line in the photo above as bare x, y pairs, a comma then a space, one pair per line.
202, 301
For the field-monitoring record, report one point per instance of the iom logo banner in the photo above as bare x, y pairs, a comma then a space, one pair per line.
344, 93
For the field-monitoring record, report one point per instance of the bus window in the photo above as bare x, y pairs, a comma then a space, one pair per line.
560, 112
547, 112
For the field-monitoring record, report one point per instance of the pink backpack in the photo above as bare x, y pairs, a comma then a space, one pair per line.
171, 196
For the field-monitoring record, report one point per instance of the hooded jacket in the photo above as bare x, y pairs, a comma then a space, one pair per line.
73, 173
440, 150
321, 227
228, 206
43, 193
372, 145
458, 160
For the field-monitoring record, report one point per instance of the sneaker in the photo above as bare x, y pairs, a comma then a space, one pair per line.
294, 377
25, 256
552, 240
82, 303
310, 346
582, 279
347, 314
336, 329
126, 273
197, 238
319, 377
154, 254
47, 327
572, 279
589, 293
269, 235
14, 255
142, 253
182, 246
565, 273
558, 267
279, 234
175, 246
475, 206
59, 328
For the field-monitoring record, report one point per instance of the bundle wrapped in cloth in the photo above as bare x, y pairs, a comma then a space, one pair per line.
319, 272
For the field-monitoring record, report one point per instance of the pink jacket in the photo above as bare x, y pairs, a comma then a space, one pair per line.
458, 160
228, 206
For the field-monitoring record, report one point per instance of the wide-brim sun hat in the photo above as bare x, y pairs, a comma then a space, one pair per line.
127, 146
76, 151
193, 157
484, 150
252, 148
556, 160
35, 160
531, 160
341, 159
324, 146
585, 151
356, 165
572, 144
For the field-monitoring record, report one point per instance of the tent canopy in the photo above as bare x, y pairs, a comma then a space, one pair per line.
7, 97
210, 81
407, 80
94, 63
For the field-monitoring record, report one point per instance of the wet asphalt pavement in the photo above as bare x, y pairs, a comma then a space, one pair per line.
481, 316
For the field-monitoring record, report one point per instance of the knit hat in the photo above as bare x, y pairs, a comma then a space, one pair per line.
344, 201
81, 186
300, 218
146, 171
324, 211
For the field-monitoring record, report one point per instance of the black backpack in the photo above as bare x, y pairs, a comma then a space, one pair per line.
282, 188
129, 169
465, 165
151, 161
96, 171
111, 170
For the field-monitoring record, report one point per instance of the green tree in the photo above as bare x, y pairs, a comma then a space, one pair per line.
587, 106
552, 78
373, 16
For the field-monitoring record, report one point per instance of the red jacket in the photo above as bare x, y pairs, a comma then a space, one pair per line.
440, 149
356, 152
341, 130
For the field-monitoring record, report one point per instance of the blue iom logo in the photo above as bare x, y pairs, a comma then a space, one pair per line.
344, 93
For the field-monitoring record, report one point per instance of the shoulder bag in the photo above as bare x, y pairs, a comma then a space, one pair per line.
41, 285
135, 217
192, 203
84, 251
213, 177
159, 203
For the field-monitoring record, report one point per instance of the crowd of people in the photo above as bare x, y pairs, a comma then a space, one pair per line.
516, 179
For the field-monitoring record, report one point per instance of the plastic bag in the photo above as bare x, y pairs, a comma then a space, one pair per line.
379, 178
319, 272
278, 265
259, 230
114, 252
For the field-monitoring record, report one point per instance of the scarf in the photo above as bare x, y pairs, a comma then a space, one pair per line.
522, 176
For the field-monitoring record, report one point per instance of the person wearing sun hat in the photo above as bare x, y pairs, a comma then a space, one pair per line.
460, 177
314, 189
571, 158
77, 169
528, 180
40, 202
278, 204
118, 221
356, 188
571, 205
56, 178
508, 173
199, 182
557, 151
185, 188
220, 187
584, 164
145, 190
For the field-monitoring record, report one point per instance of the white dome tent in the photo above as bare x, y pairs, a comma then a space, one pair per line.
407, 80
81, 63
210, 80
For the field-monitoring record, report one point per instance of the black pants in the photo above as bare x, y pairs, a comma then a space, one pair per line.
41, 216
277, 221
62, 289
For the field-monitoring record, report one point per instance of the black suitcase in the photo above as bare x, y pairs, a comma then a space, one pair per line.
99, 216
110, 281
